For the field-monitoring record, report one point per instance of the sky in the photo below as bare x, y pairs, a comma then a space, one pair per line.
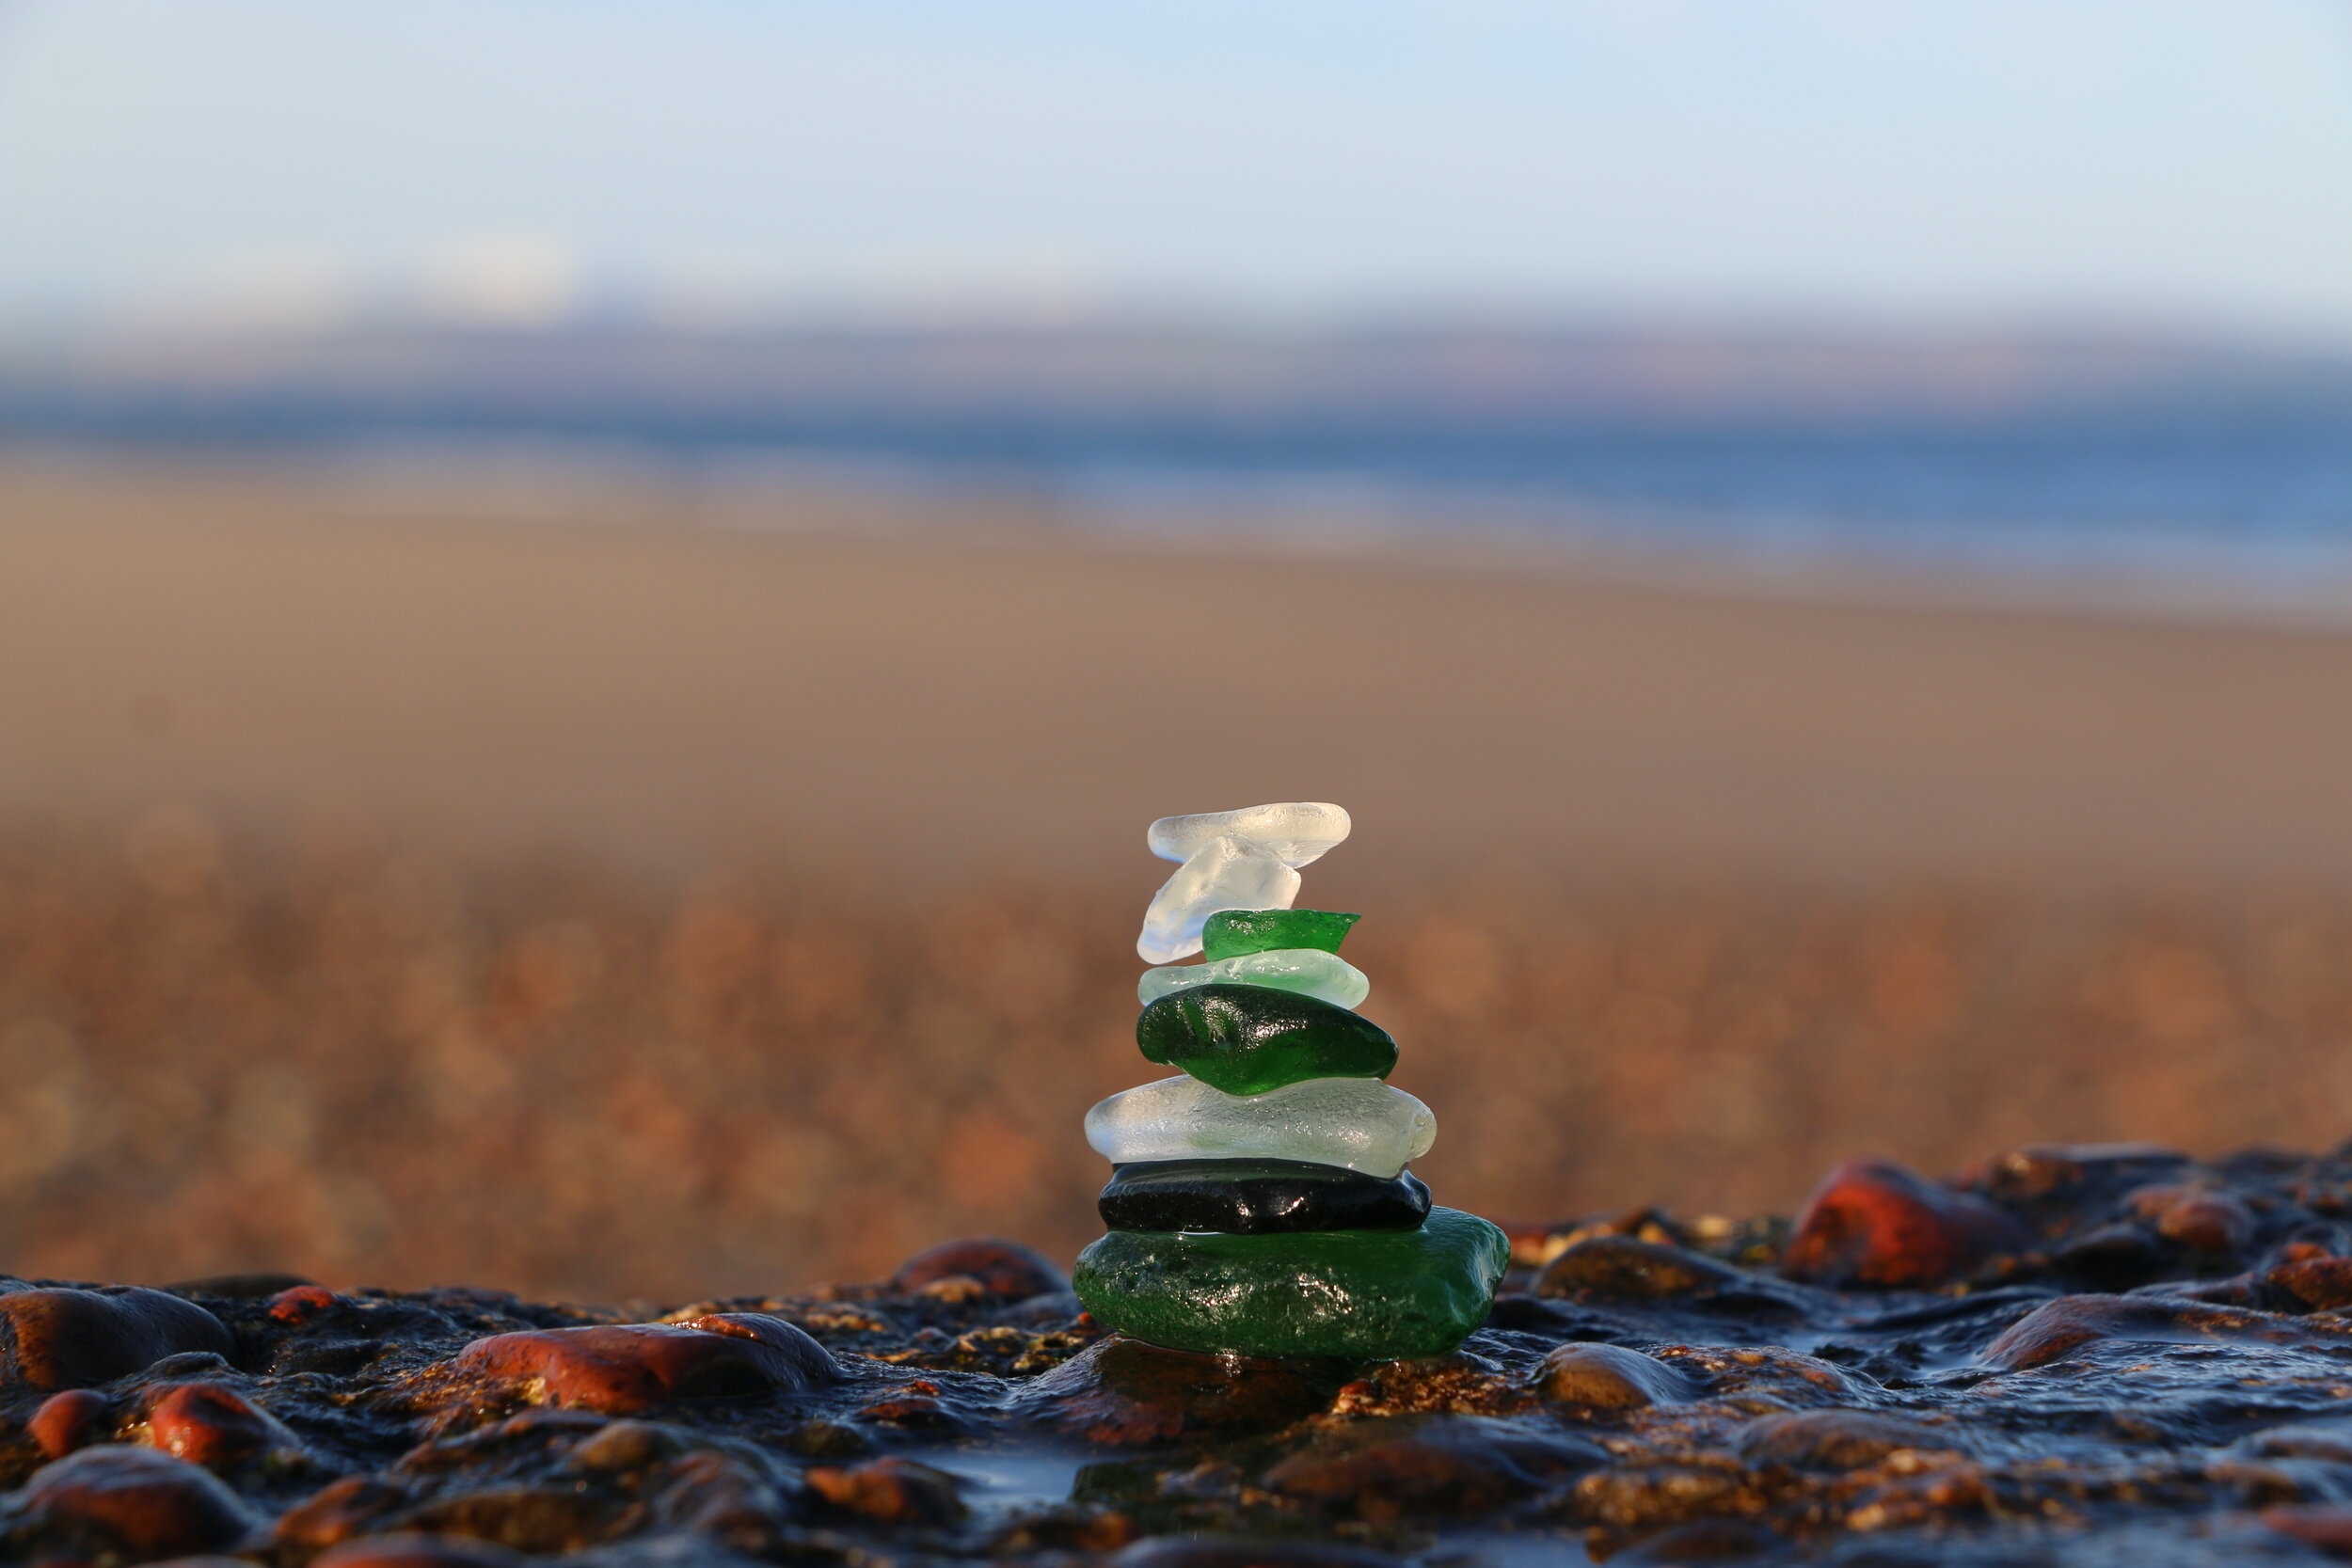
2138, 160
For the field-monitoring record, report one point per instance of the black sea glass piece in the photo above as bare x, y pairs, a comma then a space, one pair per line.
1250, 1197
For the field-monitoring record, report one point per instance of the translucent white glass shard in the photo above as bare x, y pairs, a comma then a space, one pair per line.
1226, 873
1357, 1123
1308, 970
1299, 832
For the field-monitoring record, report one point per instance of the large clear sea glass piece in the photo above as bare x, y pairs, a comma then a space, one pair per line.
1357, 1123
1299, 832
1225, 873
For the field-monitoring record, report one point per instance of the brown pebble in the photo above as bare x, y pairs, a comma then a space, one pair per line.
890, 1491
2202, 1221
1121, 1392
408, 1549
1381, 1469
621, 1369
1003, 1269
1620, 1268
1833, 1439
2311, 1284
2056, 1329
141, 1503
66, 1422
206, 1423
1609, 1377
59, 1338
1875, 1223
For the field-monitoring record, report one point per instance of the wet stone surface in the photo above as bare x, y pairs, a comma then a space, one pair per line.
2103, 1357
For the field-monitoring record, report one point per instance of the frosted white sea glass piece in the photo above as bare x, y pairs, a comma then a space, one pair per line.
1300, 832
1357, 1123
1308, 970
1226, 873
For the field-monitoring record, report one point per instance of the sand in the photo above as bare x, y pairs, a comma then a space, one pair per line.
940, 694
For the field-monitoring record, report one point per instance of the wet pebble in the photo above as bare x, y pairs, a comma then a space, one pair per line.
66, 1421
2057, 1329
1622, 1269
1609, 1377
1238, 1551
1124, 1393
1833, 1439
60, 1338
2202, 1221
621, 1369
1875, 1223
1005, 1270
206, 1423
1381, 1469
890, 1491
2311, 1284
412, 1549
137, 1502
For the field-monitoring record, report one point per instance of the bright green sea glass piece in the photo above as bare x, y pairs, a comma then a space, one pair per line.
1365, 1294
1231, 933
1249, 1039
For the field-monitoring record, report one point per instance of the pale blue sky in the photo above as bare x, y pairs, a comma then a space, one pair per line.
2037, 158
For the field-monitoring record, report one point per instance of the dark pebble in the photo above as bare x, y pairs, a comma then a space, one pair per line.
1005, 1270
1238, 1551
137, 1502
56, 1337
1258, 1197
1875, 1223
1121, 1393
2311, 1284
621, 1369
1381, 1469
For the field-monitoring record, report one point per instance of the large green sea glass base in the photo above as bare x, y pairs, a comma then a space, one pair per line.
1365, 1294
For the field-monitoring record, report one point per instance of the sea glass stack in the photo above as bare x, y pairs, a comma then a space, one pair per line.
1259, 1202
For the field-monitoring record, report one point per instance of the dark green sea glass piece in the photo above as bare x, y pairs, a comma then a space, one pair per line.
1247, 1039
1367, 1294
1231, 933
1256, 1197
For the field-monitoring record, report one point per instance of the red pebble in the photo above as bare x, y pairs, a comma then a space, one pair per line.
1872, 1222
1004, 1269
620, 1368
66, 1339
300, 1303
66, 1422
147, 1505
208, 1424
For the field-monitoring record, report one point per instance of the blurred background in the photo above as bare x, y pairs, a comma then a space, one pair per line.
595, 599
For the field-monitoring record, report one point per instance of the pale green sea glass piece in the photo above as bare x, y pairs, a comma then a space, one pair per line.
1357, 1123
1325, 977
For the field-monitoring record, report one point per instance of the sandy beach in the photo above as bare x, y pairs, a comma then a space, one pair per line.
607, 669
